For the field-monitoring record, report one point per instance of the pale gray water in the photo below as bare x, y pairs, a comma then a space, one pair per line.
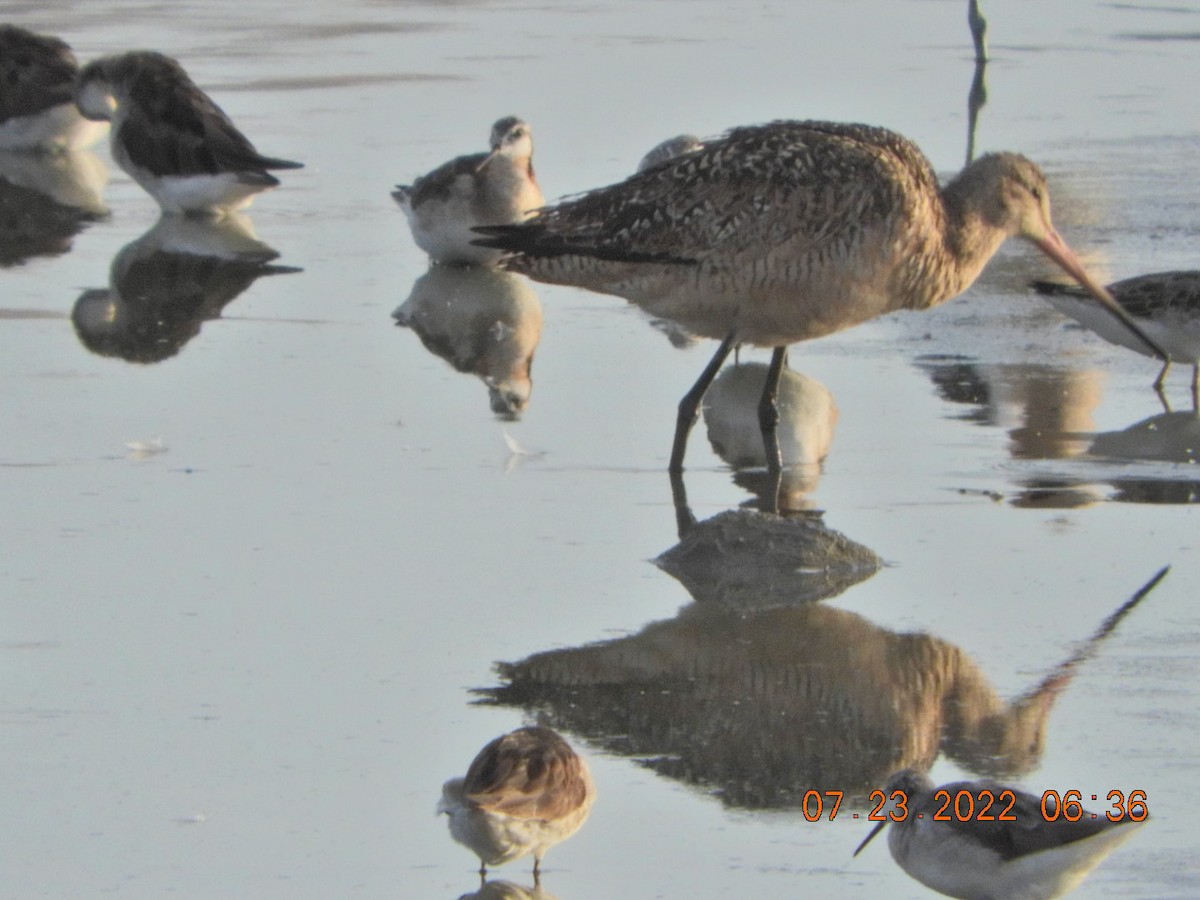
242, 667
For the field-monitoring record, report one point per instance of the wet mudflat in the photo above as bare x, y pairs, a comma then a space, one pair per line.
243, 654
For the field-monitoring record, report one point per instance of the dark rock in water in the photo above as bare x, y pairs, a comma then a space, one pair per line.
753, 560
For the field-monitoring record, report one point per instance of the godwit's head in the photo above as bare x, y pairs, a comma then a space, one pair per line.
1010, 194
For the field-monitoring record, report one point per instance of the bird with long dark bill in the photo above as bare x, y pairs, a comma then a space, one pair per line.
981, 840
778, 233
171, 138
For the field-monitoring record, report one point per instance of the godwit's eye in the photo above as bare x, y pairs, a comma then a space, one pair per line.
1037, 193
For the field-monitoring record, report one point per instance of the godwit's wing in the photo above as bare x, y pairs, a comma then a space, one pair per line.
781, 184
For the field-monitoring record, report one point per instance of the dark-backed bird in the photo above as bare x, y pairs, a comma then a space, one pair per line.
959, 839
171, 138
493, 188
782, 232
37, 95
1166, 306
525, 792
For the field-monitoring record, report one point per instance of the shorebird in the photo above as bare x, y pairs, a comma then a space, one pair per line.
1166, 306
669, 149
525, 792
37, 88
494, 188
782, 232
171, 138
1027, 859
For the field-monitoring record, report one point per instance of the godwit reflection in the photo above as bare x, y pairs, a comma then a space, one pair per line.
162, 287
482, 321
1049, 414
759, 707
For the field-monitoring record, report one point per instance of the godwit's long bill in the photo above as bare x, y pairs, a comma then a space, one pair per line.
778, 233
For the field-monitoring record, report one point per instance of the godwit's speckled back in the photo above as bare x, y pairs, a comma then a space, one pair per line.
787, 231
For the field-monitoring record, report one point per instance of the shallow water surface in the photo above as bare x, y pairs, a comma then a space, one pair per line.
274, 568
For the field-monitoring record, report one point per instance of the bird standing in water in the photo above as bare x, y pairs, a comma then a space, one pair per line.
1166, 305
1018, 847
778, 233
494, 188
525, 792
171, 138
37, 88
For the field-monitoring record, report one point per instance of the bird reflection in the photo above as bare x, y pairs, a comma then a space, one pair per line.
506, 890
482, 321
760, 706
167, 283
1049, 414
807, 418
977, 96
45, 200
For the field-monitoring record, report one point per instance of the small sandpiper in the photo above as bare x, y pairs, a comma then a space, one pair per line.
37, 95
1166, 306
525, 792
494, 188
1038, 855
171, 138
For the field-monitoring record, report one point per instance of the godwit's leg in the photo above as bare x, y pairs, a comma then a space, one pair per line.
1196, 387
482, 873
1158, 382
685, 520
768, 411
537, 871
689, 406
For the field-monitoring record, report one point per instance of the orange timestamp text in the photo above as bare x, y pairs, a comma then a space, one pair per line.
980, 805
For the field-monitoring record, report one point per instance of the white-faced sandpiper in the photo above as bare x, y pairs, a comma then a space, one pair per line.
493, 188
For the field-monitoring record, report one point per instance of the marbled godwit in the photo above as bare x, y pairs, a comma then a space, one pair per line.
37, 90
525, 792
1030, 858
669, 149
1166, 306
495, 188
171, 138
778, 233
